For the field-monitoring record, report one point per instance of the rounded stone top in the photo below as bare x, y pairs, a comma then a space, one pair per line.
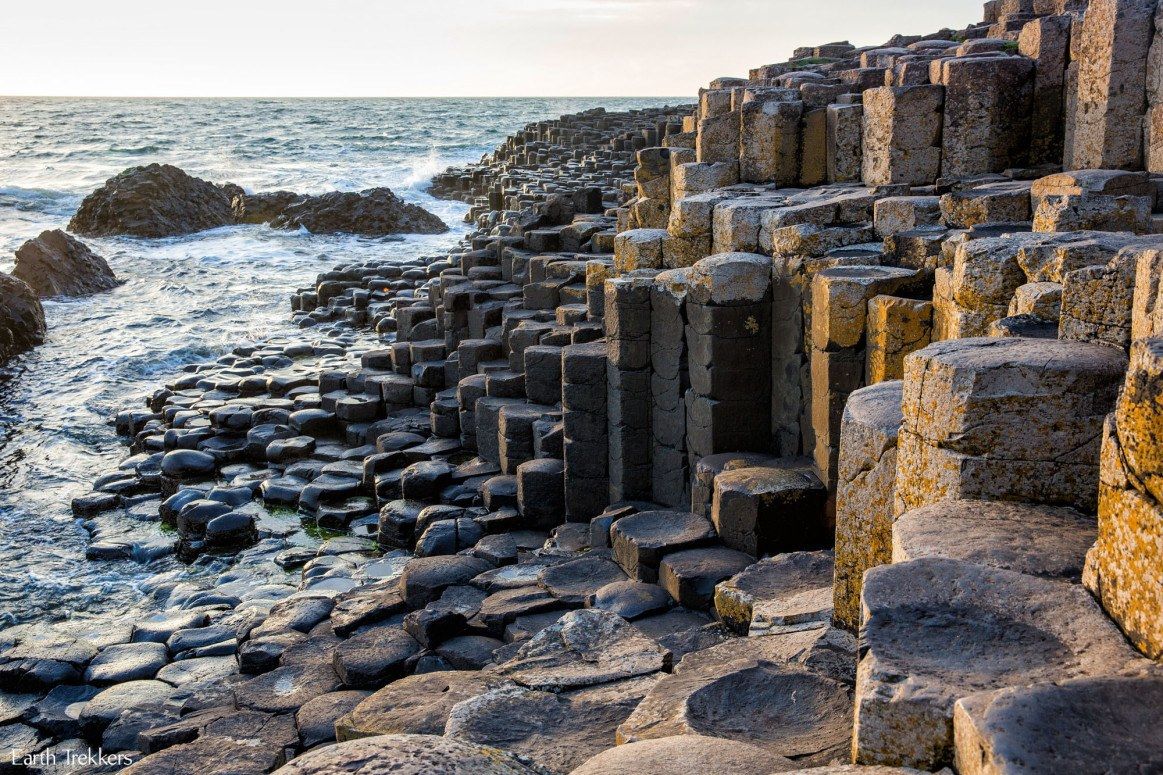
684, 754
730, 278
663, 528
866, 273
408, 755
674, 281
877, 406
1034, 539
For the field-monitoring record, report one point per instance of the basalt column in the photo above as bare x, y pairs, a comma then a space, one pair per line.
585, 443
1125, 567
728, 336
669, 380
627, 320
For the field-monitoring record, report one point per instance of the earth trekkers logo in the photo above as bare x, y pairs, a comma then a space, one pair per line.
69, 758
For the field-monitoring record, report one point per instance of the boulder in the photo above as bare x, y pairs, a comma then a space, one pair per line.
408, 755
374, 212
158, 200
22, 325
263, 207
58, 264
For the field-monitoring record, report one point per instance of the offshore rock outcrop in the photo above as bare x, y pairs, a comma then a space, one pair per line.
157, 200
160, 200
58, 264
706, 392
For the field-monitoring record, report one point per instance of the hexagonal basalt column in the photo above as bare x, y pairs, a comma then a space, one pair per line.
1005, 419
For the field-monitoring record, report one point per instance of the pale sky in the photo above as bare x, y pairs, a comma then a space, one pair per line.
406, 48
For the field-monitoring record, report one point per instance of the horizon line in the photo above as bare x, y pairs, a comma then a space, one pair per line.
347, 97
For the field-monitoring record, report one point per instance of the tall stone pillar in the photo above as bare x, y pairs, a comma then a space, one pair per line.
728, 334
902, 134
1124, 569
1106, 112
986, 124
585, 442
669, 380
627, 321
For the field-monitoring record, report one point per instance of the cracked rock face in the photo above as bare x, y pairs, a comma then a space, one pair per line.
1005, 419
584, 648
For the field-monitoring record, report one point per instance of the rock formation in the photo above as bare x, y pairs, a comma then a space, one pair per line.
58, 264
372, 213
160, 200
867, 342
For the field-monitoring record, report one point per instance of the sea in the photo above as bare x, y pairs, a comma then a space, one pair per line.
185, 299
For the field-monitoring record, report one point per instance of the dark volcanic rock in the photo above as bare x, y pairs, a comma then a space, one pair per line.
263, 207
22, 324
58, 264
158, 200
373, 213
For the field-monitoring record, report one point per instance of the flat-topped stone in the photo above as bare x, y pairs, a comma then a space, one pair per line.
690, 575
1039, 540
772, 584
1005, 419
641, 540
1084, 725
768, 510
730, 278
584, 648
937, 630
415, 704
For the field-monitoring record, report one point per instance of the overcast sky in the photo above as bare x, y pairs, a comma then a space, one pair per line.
427, 47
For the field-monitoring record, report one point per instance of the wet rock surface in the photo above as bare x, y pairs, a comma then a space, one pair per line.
22, 325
